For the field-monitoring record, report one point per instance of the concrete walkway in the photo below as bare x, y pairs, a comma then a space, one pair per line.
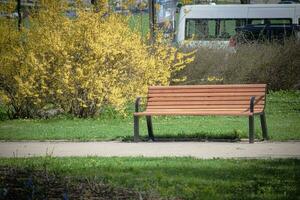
204, 150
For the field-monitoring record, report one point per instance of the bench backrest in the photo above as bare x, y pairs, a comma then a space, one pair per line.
218, 97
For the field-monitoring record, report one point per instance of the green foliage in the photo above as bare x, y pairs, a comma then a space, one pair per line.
140, 23
278, 65
183, 178
3, 113
208, 62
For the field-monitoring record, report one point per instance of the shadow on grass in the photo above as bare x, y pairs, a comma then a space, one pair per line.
28, 183
201, 137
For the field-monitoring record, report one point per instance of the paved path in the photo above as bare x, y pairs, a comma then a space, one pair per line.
204, 150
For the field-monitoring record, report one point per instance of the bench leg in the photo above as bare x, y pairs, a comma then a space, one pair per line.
150, 127
251, 129
136, 128
264, 128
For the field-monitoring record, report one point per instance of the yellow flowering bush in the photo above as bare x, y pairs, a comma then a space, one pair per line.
79, 64
186, 2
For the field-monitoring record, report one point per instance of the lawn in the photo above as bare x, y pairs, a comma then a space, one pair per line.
185, 178
140, 23
282, 111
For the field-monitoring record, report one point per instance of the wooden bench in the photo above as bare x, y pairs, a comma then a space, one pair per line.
226, 100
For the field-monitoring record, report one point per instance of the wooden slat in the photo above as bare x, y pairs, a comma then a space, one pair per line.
233, 98
203, 103
207, 90
204, 100
199, 103
203, 107
196, 110
203, 110
194, 113
211, 86
233, 94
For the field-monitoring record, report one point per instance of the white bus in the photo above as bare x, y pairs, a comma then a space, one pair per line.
215, 25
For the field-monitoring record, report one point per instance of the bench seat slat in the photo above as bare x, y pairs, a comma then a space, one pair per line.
207, 90
202, 103
204, 107
231, 94
210, 86
203, 98
204, 112
191, 107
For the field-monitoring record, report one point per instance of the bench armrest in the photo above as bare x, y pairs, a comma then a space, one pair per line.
252, 100
137, 104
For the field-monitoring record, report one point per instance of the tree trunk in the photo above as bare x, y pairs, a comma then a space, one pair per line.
19, 14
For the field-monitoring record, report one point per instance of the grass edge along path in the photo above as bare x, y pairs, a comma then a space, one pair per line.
183, 178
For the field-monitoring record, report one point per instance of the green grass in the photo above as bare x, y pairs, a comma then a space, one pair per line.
283, 120
185, 178
140, 23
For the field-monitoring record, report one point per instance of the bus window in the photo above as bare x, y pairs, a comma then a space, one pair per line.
261, 33
269, 21
256, 21
280, 21
227, 28
212, 29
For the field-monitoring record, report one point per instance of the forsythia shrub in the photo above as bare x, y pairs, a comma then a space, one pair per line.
79, 64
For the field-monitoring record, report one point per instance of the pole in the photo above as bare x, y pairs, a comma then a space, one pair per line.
151, 5
19, 14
